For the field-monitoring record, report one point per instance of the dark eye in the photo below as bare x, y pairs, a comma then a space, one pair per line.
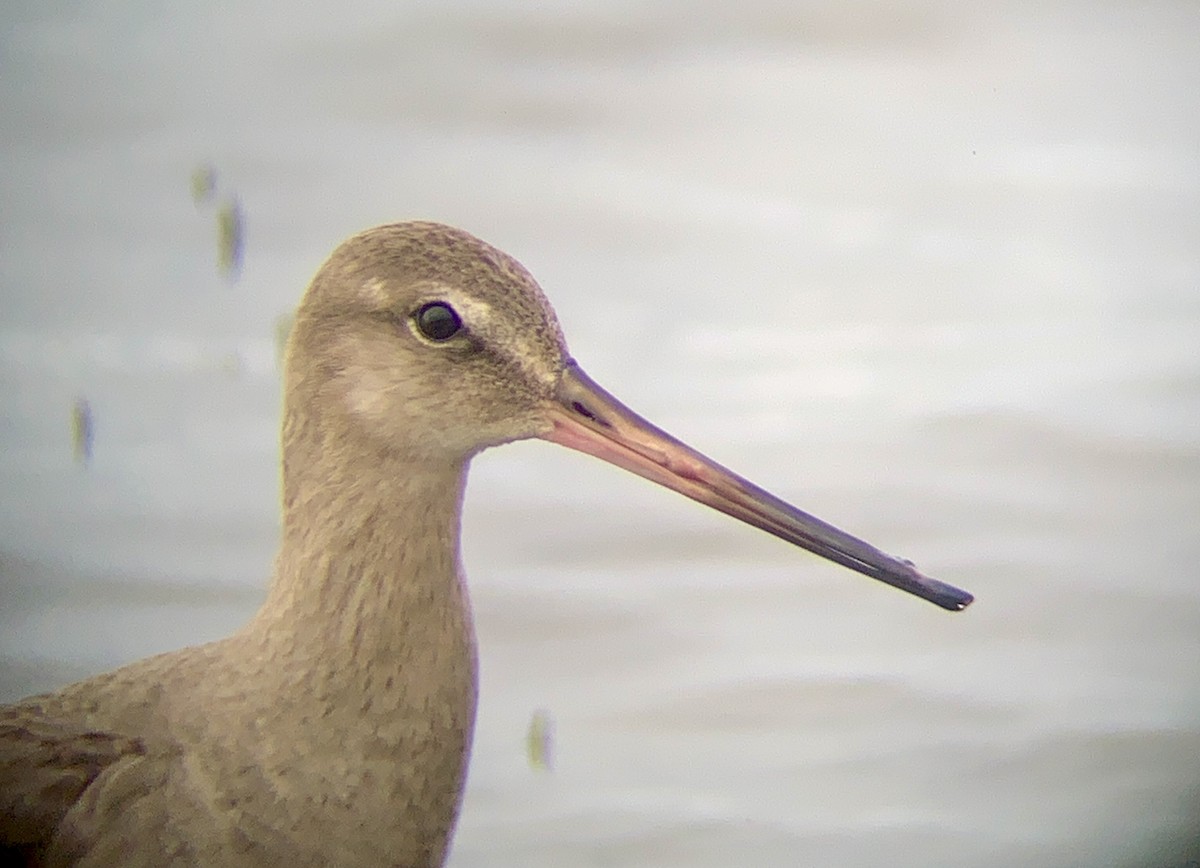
438, 321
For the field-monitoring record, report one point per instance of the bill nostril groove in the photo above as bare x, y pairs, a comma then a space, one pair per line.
583, 411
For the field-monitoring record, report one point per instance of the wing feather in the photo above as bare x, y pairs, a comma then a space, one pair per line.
46, 765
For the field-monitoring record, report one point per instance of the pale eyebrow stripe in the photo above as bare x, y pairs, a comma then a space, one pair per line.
520, 351
374, 292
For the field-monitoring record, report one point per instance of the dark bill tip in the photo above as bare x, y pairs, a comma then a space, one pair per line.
586, 417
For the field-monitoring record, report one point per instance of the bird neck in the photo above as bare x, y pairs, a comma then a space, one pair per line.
365, 652
368, 571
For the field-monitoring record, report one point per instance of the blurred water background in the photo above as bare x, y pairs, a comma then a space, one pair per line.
930, 270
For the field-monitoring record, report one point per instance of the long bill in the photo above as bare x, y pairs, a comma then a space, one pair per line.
587, 418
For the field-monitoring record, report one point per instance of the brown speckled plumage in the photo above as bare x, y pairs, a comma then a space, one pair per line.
335, 727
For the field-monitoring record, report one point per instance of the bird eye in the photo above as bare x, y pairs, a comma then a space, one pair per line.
438, 321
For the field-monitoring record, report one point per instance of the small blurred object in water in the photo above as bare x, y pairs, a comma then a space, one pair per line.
82, 430
204, 183
539, 741
233, 365
230, 232
283, 330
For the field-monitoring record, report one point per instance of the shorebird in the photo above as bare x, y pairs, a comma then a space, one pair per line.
335, 727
